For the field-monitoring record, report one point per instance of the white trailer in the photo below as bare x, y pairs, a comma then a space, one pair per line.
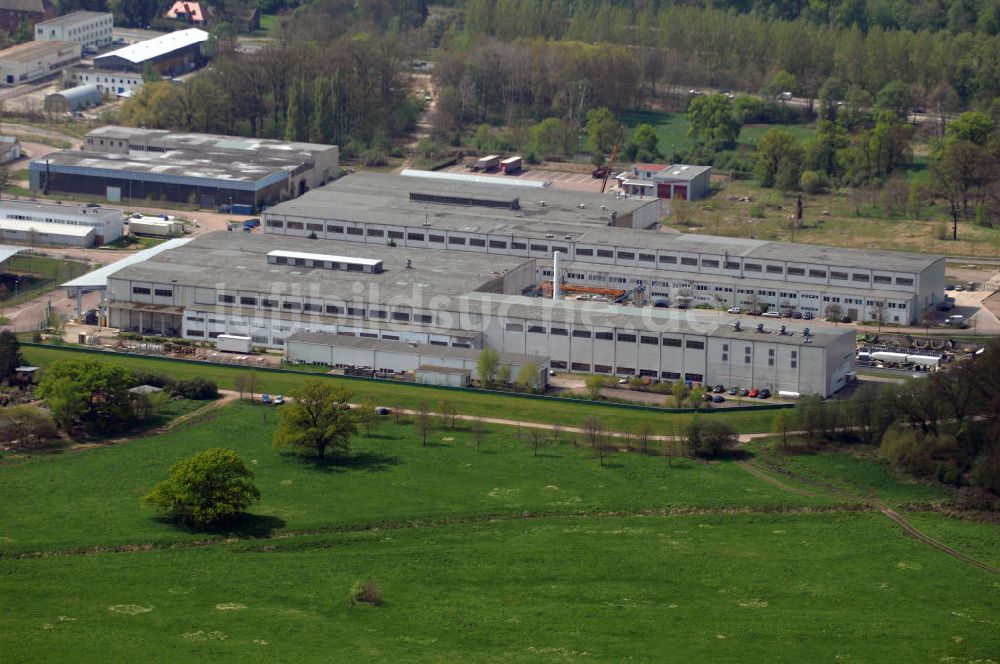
511, 165
930, 361
233, 343
155, 227
488, 163
891, 358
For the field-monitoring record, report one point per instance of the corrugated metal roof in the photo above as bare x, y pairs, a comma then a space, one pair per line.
9, 250
154, 48
475, 179
99, 277
47, 227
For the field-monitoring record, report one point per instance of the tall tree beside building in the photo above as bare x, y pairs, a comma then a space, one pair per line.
297, 123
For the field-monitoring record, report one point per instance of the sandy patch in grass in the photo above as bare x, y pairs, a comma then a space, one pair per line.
778, 532
905, 565
130, 609
204, 636
448, 439
230, 606
285, 482
753, 603
551, 487
499, 492
260, 642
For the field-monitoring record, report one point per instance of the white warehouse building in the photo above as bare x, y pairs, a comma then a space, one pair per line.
613, 240
52, 223
89, 29
274, 288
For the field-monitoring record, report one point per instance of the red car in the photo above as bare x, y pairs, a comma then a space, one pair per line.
754, 393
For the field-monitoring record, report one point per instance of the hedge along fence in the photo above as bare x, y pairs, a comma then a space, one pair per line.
439, 388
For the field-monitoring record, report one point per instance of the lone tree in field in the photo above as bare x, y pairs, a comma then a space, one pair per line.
594, 384
206, 489
643, 434
424, 421
593, 429
317, 419
536, 440
366, 415
782, 423
478, 432
246, 383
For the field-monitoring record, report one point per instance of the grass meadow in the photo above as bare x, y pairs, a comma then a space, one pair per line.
392, 394
495, 555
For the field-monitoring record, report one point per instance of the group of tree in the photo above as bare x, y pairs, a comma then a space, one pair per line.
351, 92
945, 426
95, 395
495, 375
944, 51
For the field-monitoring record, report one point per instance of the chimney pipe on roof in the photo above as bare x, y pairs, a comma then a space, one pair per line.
556, 290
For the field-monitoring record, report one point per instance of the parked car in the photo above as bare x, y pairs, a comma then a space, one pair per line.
771, 314
382, 410
797, 315
719, 389
733, 391
708, 398
265, 399
754, 393
764, 394
845, 319
623, 381
807, 315
279, 400
718, 398
734, 310
744, 392
949, 286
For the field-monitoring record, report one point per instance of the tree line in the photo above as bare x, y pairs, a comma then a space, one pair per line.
954, 61
945, 426
352, 92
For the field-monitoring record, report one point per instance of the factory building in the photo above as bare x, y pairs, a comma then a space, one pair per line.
31, 61
128, 164
673, 269
271, 288
91, 30
72, 225
677, 182
171, 54
117, 83
14, 13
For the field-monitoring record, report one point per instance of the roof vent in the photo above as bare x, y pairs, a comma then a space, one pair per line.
604, 207
806, 332
581, 206
426, 223
567, 237
760, 327
409, 264
782, 331
549, 236
541, 203
736, 326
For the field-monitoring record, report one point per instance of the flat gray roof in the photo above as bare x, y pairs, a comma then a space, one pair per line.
73, 18
216, 165
55, 208
387, 345
158, 46
378, 198
33, 50
238, 261
98, 279
386, 198
190, 140
650, 319
680, 172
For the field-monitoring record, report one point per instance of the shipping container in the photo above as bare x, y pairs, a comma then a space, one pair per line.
155, 227
233, 343
488, 163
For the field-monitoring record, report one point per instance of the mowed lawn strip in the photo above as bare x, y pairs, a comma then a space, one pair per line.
723, 588
568, 413
80, 500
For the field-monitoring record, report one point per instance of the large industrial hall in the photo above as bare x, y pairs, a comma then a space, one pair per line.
269, 288
615, 241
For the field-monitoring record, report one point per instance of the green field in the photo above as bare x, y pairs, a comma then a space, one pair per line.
567, 413
491, 556
40, 274
672, 130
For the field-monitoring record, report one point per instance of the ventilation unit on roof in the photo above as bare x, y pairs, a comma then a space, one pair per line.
324, 261
760, 327
782, 331
549, 236
466, 201
806, 332
736, 326
581, 206
541, 203
567, 237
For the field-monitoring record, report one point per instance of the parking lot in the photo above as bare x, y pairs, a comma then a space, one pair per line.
558, 179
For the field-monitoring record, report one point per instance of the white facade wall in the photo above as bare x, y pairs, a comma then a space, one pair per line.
804, 284
85, 28
108, 82
22, 68
108, 223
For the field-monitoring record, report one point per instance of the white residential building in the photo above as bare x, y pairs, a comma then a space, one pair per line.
89, 29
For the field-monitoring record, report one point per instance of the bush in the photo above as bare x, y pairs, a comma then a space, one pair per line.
197, 388
712, 437
812, 182
209, 488
757, 211
26, 426
366, 592
941, 231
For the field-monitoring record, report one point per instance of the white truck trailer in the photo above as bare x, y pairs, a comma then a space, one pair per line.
155, 227
488, 163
